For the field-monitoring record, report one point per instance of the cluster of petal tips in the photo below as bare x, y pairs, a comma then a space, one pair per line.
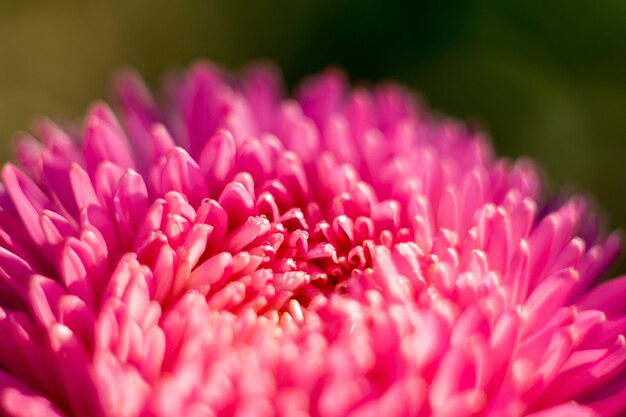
227, 251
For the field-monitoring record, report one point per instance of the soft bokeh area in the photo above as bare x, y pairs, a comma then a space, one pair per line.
547, 79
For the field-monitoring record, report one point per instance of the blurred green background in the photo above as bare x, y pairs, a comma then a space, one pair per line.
546, 79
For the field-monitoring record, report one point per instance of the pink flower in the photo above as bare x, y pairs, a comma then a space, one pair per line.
342, 253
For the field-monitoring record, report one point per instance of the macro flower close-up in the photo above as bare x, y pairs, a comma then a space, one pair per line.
224, 248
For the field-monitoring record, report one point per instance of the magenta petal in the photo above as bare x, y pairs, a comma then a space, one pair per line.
140, 114
27, 199
72, 359
18, 400
237, 202
211, 272
182, 174
607, 297
104, 140
566, 410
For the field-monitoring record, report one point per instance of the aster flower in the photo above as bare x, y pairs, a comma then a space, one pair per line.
227, 251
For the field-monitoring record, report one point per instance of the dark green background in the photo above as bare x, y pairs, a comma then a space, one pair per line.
547, 79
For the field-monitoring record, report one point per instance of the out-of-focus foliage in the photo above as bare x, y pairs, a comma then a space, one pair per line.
546, 79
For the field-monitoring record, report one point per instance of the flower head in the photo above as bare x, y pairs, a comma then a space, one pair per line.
227, 251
